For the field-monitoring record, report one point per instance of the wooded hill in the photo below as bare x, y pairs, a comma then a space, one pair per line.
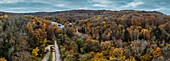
88, 35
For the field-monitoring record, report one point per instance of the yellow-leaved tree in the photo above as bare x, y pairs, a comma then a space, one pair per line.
3, 59
35, 52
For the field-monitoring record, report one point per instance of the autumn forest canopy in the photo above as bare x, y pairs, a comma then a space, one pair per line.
88, 35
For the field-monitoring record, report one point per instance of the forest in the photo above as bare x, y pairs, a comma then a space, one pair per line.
88, 35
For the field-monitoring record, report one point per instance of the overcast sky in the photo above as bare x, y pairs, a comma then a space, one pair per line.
25, 6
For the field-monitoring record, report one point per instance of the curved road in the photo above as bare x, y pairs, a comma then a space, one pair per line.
54, 56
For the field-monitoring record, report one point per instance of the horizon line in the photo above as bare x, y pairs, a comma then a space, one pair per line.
79, 9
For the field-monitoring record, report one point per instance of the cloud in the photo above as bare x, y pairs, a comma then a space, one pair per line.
159, 9
133, 4
10, 1
100, 3
60, 5
21, 7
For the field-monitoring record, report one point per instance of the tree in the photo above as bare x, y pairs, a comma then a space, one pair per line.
50, 32
3, 59
35, 52
126, 36
79, 42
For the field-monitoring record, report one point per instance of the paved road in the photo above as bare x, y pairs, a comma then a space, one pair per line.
46, 57
55, 56
57, 53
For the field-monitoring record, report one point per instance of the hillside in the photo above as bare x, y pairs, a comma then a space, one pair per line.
87, 35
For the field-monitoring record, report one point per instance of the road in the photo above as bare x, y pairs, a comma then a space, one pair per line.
54, 56
57, 53
47, 56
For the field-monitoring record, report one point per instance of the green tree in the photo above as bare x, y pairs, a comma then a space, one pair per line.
79, 42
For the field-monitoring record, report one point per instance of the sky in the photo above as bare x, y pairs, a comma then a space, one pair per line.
27, 6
